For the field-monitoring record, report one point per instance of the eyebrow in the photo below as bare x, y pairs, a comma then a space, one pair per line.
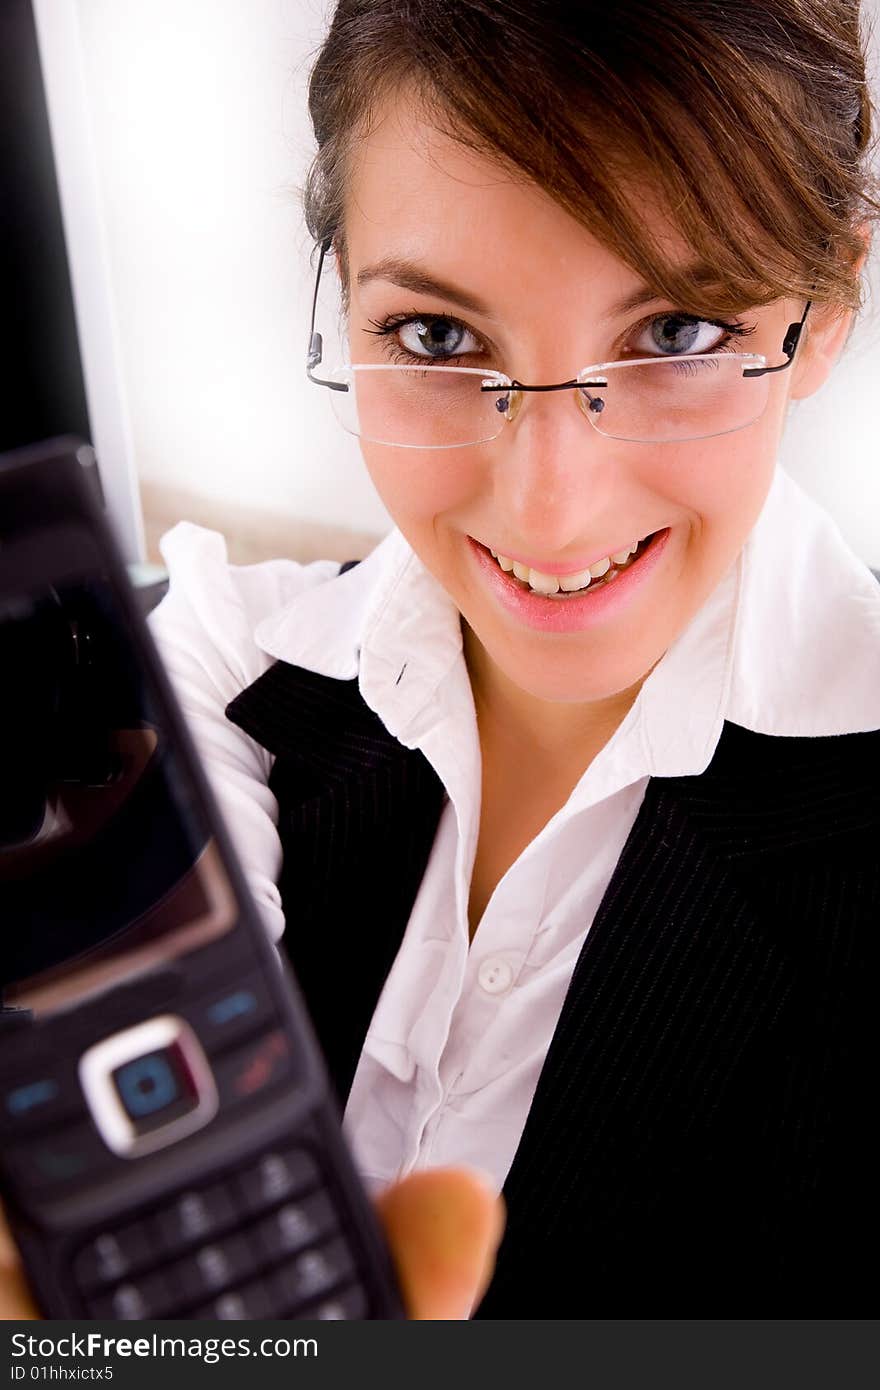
409, 275
701, 275
644, 294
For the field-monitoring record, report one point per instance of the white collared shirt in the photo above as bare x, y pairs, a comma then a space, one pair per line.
787, 644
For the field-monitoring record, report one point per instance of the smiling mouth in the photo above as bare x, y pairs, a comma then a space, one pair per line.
587, 582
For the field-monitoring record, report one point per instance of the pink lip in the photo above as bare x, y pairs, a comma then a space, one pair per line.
575, 614
561, 570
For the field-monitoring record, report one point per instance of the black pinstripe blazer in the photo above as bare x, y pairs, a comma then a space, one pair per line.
701, 1140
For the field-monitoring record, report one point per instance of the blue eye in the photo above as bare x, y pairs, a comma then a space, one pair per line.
677, 335
421, 337
436, 337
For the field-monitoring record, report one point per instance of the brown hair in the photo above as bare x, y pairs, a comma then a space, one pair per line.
751, 123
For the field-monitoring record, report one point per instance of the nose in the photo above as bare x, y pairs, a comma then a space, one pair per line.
551, 473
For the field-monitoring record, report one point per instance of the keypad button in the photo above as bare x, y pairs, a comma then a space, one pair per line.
350, 1304
313, 1273
45, 1096
113, 1255
250, 1070
215, 1266
150, 1297
36, 1100
195, 1215
296, 1224
253, 1301
276, 1176
59, 1160
233, 1012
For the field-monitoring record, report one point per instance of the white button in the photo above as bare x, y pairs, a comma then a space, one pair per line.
495, 975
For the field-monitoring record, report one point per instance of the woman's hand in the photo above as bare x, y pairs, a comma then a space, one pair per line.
443, 1227
15, 1298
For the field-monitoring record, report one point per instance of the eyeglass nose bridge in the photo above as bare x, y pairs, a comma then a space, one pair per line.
509, 402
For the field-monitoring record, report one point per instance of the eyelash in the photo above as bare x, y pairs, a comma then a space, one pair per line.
383, 328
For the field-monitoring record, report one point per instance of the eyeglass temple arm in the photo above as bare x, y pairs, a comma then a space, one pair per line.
789, 347
316, 344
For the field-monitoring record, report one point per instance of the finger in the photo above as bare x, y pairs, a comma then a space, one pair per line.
443, 1227
15, 1298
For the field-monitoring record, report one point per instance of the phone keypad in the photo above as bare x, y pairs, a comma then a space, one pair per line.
264, 1243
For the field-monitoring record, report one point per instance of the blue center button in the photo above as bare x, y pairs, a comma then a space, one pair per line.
155, 1088
146, 1084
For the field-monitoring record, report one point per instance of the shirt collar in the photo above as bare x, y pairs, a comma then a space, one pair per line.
388, 622
807, 658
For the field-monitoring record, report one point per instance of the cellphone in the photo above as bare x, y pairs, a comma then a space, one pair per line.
171, 1145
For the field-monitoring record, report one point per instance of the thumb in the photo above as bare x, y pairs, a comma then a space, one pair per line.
443, 1227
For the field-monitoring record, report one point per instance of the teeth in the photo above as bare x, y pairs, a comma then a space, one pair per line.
570, 582
543, 583
549, 584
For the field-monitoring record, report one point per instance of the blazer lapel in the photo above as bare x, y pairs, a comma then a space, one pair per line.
358, 813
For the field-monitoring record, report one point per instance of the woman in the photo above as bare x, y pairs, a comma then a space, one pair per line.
563, 801
564, 878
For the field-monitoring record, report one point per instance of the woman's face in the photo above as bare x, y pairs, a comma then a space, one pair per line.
549, 490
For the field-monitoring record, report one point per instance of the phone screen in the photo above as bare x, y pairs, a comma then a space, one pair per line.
107, 862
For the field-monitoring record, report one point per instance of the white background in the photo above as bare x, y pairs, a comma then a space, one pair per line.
201, 137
